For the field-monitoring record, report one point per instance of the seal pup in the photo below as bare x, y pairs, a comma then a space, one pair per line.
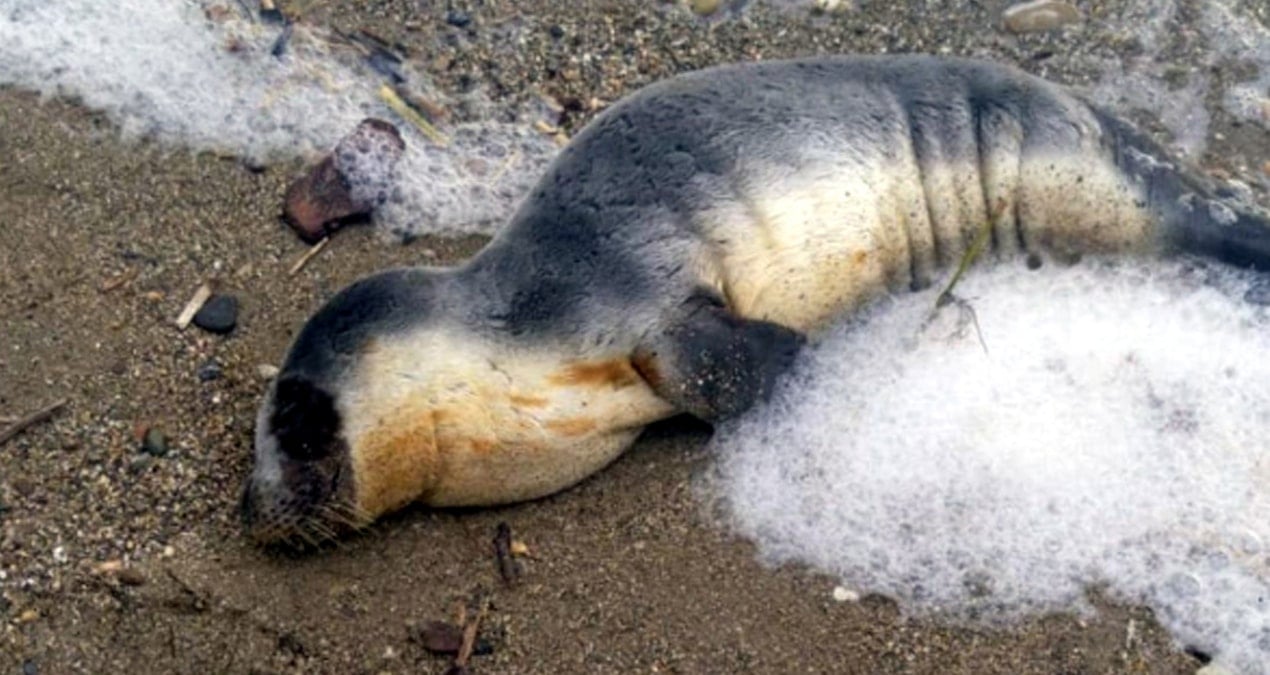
674, 257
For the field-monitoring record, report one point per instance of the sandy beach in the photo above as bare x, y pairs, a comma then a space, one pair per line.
103, 240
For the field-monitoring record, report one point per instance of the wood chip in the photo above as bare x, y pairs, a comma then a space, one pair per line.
308, 255
191, 308
30, 420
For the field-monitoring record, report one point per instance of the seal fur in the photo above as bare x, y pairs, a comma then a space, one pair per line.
674, 257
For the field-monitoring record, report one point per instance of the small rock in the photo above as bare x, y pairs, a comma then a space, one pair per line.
218, 315
1213, 669
210, 370
28, 616
267, 371
29, 668
458, 19
831, 6
131, 576
59, 555
556, 31
1039, 16
352, 181
140, 463
440, 637
154, 443
844, 594
1265, 167
705, 7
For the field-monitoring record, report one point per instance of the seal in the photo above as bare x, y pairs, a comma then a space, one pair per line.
676, 256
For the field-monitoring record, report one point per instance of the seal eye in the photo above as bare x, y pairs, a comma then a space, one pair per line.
304, 420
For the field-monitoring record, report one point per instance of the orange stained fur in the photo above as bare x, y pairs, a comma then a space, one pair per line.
527, 401
572, 426
616, 373
397, 460
646, 365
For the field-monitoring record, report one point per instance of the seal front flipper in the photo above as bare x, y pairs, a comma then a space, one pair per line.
713, 364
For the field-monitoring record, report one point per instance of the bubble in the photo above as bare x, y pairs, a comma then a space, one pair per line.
160, 70
1113, 436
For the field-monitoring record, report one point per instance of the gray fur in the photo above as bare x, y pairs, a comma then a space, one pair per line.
610, 247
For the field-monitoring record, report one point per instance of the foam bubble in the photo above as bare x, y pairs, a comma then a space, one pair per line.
1113, 432
161, 69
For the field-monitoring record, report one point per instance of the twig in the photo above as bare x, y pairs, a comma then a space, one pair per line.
507, 566
30, 420
967, 259
390, 97
469, 636
196, 303
308, 255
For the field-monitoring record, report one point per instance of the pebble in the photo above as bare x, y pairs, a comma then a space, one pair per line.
1213, 669
1039, 16
154, 443
218, 315
140, 463
267, 371
209, 371
704, 7
29, 668
844, 594
458, 19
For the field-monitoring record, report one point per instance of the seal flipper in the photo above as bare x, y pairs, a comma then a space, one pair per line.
1195, 216
713, 364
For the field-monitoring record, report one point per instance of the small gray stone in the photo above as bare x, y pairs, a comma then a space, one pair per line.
219, 315
1039, 16
210, 370
154, 443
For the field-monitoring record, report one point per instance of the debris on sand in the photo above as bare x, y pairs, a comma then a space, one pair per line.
30, 420
218, 315
508, 567
191, 308
350, 182
308, 255
440, 637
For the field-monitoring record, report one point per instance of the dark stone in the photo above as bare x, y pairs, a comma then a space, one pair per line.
219, 315
556, 32
29, 668
210, 370
458, 19
154, 443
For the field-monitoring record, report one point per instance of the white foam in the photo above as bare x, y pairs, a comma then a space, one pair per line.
1142, 82
161, 69
1115, 432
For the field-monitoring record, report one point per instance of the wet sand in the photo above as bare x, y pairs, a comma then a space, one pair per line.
103, 241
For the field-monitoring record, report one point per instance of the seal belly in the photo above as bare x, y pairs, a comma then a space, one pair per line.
838, 220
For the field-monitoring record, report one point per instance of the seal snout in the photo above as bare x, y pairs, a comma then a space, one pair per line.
299, 490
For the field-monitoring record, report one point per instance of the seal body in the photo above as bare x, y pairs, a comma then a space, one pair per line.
674, 258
